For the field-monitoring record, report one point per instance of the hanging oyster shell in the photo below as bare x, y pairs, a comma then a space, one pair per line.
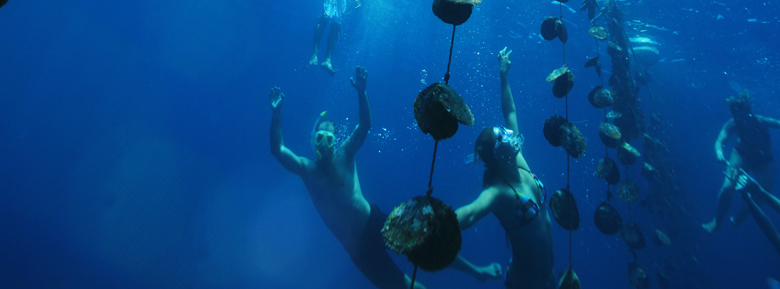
598, 32
653, 144
608, 170
426, 230
563, 33
548, 28
552, 130
595, 62
564, 209
563, 80
455, 12
614, 50
629, 123
553, 27
556, 73
637, 276
438, 109
600, 97
613, 114
607, 219
627, 154
591, 6
609, 134
650, 173
628, 191
633, 236
572, 140
569, 280
661, 239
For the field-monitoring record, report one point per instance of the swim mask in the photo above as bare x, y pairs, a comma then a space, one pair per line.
506, 136
324, 136
315, 133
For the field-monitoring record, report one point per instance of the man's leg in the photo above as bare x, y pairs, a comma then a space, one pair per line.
318, 31
723, 206
333, 37
726, 193
370, 256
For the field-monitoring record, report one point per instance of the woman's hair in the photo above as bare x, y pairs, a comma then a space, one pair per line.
741, 102
483, 148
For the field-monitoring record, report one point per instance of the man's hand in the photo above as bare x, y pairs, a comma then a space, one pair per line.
745, 183
359, 82
276, 98
503, 61
721, 158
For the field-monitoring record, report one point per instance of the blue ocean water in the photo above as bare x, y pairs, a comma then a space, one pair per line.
135, 137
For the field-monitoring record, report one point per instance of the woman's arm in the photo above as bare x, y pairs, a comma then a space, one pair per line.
468, 215
507, 102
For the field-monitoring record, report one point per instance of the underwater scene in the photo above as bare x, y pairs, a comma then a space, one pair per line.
389, 144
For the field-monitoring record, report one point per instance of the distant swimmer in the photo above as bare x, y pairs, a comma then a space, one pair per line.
332, 13
334, 188
753, 152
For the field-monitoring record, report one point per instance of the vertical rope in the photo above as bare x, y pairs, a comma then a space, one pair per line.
566, 101
433, 162
414, 275
606, 148
560, 14
436, 145
598, 54
568, 158
452, 43
570, 263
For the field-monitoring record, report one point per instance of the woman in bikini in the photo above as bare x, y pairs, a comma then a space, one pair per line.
514, 195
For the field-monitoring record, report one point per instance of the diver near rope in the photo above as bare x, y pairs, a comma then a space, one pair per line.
333, 185
751, 153
514, 195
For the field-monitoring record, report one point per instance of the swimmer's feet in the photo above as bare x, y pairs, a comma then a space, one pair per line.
313, 60
490, 272
328, 67
710, 227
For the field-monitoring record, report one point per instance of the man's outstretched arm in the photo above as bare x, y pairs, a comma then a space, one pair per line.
771, 122
355, 141
286, 157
